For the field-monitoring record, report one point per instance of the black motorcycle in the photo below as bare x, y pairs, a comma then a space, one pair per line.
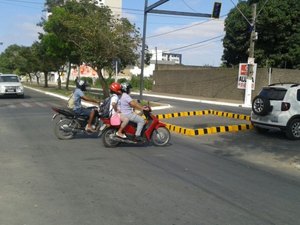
69, 124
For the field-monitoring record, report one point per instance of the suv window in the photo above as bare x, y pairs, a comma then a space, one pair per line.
273, 93
298, 95
9, 79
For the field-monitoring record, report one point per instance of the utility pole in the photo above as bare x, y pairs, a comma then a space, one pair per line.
156, 58
143, 51
253, 37
116, 71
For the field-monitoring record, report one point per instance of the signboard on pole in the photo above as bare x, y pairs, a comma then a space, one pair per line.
243, 75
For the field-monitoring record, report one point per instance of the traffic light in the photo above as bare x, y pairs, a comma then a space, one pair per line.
216, 10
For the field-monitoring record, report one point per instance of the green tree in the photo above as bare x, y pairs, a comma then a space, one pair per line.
236, 40
12, 60
50, 4
48, 61
58, 35
98, 36
278, 28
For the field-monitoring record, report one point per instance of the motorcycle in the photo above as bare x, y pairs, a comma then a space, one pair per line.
153, 131
69, 124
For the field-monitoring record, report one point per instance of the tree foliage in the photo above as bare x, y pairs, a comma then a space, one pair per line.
76, 31
278, 27
13, 59
81, 28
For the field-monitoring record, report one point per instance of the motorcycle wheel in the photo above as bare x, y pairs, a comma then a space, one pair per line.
62, 129
161, 136
107, 140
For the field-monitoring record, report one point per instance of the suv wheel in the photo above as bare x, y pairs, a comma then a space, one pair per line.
293, 129
261, 105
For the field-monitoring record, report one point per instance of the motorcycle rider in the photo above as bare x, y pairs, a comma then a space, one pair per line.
79, 109
127, 104
115, 90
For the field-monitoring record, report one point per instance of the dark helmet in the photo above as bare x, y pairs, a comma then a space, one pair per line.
81, 85
115, 88
126, 87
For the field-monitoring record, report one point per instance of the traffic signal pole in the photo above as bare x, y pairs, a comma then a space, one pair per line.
248, 89
151, 9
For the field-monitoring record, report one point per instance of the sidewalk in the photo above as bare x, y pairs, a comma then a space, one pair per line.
187, 98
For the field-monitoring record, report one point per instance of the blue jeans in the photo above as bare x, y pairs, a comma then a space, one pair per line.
83, 111
137, 119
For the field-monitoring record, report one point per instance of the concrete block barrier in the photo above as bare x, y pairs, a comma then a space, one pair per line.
207, 130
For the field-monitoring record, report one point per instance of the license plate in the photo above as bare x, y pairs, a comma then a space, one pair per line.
10, 90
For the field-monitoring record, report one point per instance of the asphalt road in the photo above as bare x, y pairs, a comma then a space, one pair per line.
195, 180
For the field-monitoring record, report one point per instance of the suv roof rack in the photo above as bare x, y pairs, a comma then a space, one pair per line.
293, 84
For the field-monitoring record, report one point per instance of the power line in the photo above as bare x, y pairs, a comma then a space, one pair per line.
197, 47
23, 1
188, 6
241, 13
183, 28
17, 4
262, 8
172, 31
197, 43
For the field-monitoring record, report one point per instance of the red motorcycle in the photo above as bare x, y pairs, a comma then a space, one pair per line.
153, 131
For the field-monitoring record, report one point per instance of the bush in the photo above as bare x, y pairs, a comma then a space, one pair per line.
135, 82
122, 80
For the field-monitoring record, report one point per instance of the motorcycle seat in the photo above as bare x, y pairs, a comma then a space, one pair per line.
69, 113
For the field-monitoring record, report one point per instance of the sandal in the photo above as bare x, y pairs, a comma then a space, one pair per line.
121, 135
89, 130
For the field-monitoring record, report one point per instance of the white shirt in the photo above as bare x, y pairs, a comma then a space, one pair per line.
114, 99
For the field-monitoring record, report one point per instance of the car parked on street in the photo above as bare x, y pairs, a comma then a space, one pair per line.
10, 85
277, 106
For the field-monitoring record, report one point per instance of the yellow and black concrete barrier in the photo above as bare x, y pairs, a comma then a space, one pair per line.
208, 130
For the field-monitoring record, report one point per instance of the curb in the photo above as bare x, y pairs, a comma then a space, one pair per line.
86, 103
198, 100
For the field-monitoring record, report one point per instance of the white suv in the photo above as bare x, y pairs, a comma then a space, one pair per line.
278, 107
10, 84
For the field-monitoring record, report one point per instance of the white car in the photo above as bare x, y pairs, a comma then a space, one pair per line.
10, 85
278, 107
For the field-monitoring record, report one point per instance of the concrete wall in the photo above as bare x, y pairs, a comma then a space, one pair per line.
217, 83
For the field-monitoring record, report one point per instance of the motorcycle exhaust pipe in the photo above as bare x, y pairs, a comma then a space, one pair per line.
68, 129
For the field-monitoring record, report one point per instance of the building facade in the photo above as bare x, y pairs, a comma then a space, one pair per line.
114, 5
158, 57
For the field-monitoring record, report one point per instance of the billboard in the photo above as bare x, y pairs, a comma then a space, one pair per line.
243, 74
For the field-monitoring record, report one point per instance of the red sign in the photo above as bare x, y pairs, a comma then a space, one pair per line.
243, 75
243, 69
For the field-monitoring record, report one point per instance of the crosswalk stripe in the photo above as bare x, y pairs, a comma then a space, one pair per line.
55, 105
32, 104
25, 104
41, 104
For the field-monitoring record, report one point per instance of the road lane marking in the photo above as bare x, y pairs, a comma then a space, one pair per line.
41, 104
25, 104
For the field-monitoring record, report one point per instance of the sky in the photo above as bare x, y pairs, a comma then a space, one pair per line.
198, 39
